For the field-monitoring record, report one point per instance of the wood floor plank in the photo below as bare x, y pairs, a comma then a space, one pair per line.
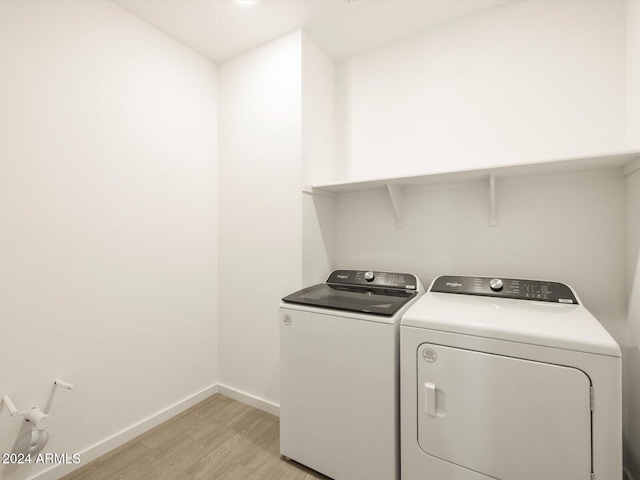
217, 457
217, 439
277, 469
198, 417
122, 465
235, 472
169, 460
233, 412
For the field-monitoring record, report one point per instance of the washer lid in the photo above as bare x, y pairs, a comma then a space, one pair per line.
377, 301
569, 327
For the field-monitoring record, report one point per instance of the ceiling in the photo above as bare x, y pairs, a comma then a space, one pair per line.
223, 29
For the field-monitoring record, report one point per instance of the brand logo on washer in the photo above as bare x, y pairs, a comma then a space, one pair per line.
287, 320
343, 276
429, 355
454, 284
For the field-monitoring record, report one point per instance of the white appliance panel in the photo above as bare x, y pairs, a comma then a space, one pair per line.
570, 327
507, 418
337, 374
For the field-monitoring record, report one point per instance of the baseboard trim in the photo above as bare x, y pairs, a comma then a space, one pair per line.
124, 436
257, 402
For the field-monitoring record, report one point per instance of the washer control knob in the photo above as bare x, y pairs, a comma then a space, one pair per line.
369, 276
496, 284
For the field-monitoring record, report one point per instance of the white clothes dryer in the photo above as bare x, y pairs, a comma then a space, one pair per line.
339, 373
508, 379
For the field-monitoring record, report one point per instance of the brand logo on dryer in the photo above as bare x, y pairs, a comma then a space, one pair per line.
429, 355
343, 277
454, 284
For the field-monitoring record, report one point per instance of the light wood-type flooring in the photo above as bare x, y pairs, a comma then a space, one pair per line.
217, 439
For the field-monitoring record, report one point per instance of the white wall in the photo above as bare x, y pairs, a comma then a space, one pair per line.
318, 114
318, 161
631, 347
260, 209
108, 221
529, 81
632, 45
562, 229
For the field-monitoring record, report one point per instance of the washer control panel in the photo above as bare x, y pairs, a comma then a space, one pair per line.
404, 281
517, 288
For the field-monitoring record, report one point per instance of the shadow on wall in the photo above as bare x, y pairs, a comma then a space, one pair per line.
631, 346
631, 383
318, 238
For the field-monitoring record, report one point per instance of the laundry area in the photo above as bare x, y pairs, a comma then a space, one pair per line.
320, 239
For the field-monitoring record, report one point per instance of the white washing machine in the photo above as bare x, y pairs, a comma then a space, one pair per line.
339, 374
508, 379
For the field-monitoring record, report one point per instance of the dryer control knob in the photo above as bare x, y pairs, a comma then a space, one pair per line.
496, 284
369, 276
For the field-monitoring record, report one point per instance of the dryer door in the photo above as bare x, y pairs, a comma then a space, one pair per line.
508, 418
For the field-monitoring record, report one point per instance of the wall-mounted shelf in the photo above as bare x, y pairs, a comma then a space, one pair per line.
626, 162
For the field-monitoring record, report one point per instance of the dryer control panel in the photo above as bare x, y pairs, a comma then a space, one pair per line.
516, 288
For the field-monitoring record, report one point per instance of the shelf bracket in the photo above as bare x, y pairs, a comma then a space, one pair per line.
396, 195
493, 217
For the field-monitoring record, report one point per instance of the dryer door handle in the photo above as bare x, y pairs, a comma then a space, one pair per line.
430, 399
